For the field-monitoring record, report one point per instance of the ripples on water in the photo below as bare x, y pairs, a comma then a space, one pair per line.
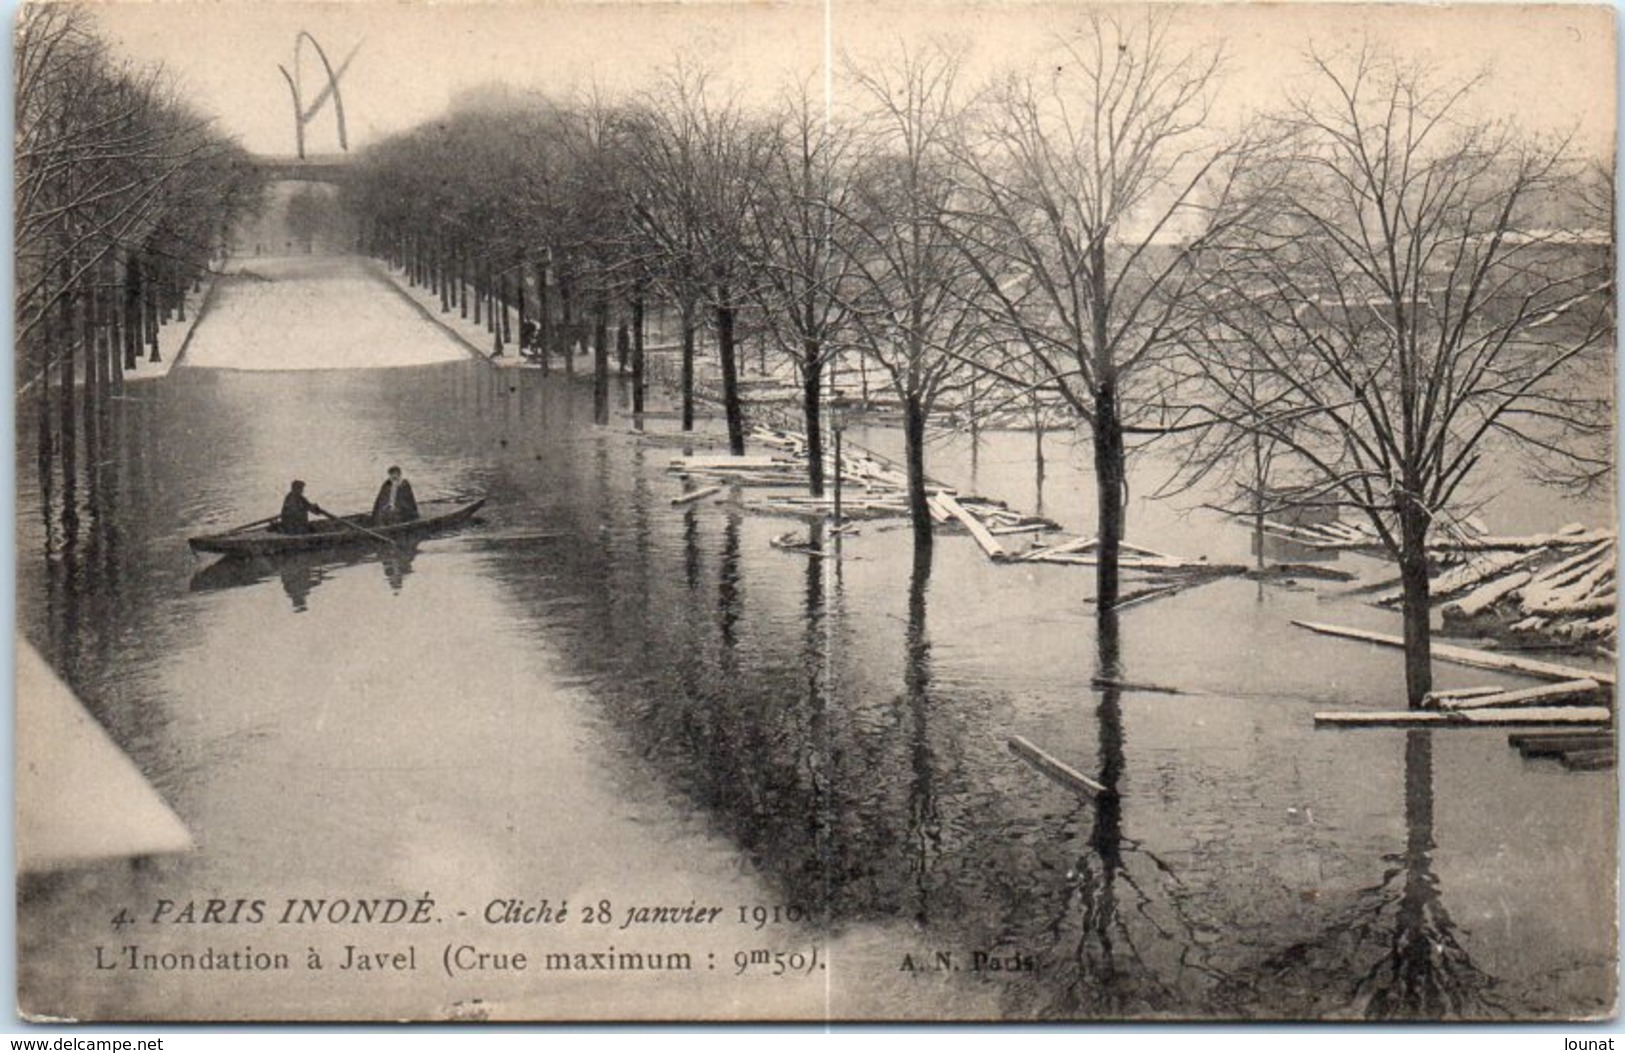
842, 724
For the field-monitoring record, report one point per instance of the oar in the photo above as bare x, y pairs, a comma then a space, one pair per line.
256, 523
356, 526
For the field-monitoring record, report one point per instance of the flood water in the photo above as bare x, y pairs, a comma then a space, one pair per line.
593, 695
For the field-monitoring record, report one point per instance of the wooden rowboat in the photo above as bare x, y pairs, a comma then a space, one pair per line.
332, 533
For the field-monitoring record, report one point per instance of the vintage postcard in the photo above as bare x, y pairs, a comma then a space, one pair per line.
892, 511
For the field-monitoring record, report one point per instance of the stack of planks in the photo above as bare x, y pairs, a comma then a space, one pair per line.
1575, 750
1570, 696
1084, 552
1335, 536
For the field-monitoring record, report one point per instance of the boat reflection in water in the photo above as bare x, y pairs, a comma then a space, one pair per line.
301, 572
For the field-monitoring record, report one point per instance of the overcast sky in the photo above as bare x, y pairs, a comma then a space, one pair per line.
1552, 66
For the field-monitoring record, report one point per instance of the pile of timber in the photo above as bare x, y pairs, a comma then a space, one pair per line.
871, 488
874, 488
1570, 696
1557, 590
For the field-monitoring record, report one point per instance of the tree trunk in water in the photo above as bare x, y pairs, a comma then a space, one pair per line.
812, 401
45, 452
567, 325
151, 314
600, 363
115, 324
132, 311
637, 352
914, 445
1038, 452
498, 313
519, 306
67, 425
443, 280
502, 307
1413, 573
95, 377
688, 368
544, 319
1110, 484
623, 346
730, 375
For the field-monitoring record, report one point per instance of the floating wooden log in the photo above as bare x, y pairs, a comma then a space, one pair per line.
695, 495
1285, 571
1585, 715
1106, 683
1034, 528
989, 543
1468, 656
732, 463
1570, 692
1433, 699
1145, 596
1060, 771
1075, 545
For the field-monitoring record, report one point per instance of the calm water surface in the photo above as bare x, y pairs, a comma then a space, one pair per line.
594, 695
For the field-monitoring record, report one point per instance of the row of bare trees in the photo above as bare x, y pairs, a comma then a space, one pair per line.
122, 197
1350, 301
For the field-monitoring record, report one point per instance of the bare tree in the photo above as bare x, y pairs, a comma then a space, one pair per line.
119, 189
913, 300
1399, 307
1092, 179
807, 185
700, 158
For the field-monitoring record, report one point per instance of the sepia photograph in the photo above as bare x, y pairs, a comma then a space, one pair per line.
854, 511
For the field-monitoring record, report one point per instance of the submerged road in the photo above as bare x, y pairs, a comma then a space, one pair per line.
315, 312
778, 783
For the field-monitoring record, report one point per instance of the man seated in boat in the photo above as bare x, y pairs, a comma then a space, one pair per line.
296, 509
395, 502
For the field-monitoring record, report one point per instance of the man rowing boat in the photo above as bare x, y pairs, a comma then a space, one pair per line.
296, 509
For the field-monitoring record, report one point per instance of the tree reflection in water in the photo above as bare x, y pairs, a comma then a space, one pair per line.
1122, 939
924, 817
1396, 940
816, 670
